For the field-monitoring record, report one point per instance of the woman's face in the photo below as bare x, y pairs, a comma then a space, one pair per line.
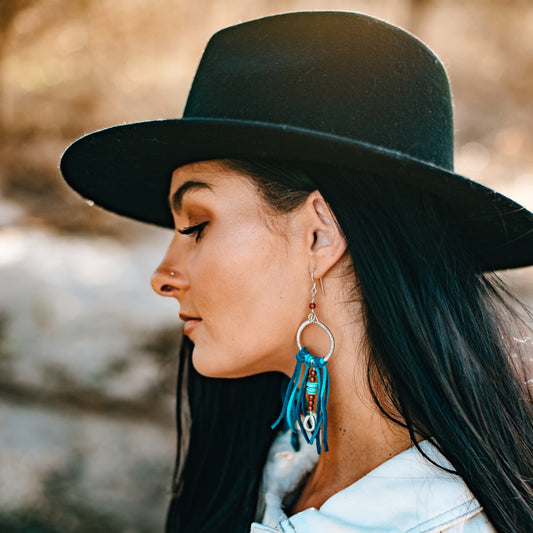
238, 271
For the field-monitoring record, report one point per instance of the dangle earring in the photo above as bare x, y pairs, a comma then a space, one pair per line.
307, 394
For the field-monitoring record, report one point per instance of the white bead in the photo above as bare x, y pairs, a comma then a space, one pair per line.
309, 423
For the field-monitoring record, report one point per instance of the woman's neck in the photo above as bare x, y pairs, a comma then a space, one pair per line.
360, 438
358, 443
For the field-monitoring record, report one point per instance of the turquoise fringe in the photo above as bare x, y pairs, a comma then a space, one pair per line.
295, 404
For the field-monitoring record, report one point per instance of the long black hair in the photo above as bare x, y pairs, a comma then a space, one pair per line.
444, 344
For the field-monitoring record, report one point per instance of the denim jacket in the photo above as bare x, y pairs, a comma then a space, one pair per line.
405, 494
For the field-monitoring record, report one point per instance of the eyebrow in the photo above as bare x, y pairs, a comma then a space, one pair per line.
176, 199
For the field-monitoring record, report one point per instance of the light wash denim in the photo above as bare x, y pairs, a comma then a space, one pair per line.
406, 494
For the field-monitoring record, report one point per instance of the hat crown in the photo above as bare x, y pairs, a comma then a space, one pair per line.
336, 73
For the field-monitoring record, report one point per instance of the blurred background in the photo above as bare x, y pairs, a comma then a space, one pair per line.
87, 352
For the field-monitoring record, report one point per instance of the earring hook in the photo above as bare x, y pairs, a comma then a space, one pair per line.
321, 284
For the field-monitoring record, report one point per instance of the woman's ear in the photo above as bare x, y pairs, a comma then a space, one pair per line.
325, 241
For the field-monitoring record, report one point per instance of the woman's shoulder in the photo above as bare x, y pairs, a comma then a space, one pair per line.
407, 493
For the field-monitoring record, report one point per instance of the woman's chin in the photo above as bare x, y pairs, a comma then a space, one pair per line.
213, 367
217, 366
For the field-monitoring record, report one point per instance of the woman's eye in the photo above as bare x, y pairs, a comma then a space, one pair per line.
196, 230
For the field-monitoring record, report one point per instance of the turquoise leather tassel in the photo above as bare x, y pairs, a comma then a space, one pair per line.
313, 425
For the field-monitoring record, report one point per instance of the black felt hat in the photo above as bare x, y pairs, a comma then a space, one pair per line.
329, 87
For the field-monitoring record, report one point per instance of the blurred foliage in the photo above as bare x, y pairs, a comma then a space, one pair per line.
71, 66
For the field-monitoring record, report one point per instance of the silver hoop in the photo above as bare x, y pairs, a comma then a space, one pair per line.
315, 320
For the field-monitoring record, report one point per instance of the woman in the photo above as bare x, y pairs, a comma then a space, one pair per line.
316, 213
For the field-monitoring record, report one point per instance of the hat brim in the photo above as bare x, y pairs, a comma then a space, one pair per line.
127, 169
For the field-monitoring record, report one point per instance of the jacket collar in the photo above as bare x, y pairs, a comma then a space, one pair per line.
406, 493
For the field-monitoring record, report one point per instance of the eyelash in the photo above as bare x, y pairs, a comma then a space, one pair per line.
197, 230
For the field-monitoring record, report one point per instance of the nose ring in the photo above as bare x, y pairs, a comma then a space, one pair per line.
172, 273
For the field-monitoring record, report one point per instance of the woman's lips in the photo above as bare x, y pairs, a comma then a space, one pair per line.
190, 323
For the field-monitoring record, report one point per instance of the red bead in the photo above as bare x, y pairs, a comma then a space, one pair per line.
312, 305
312, 379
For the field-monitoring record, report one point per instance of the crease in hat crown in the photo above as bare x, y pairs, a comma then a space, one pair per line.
336, 88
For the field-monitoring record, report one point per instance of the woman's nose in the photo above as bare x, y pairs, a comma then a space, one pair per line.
168, 282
